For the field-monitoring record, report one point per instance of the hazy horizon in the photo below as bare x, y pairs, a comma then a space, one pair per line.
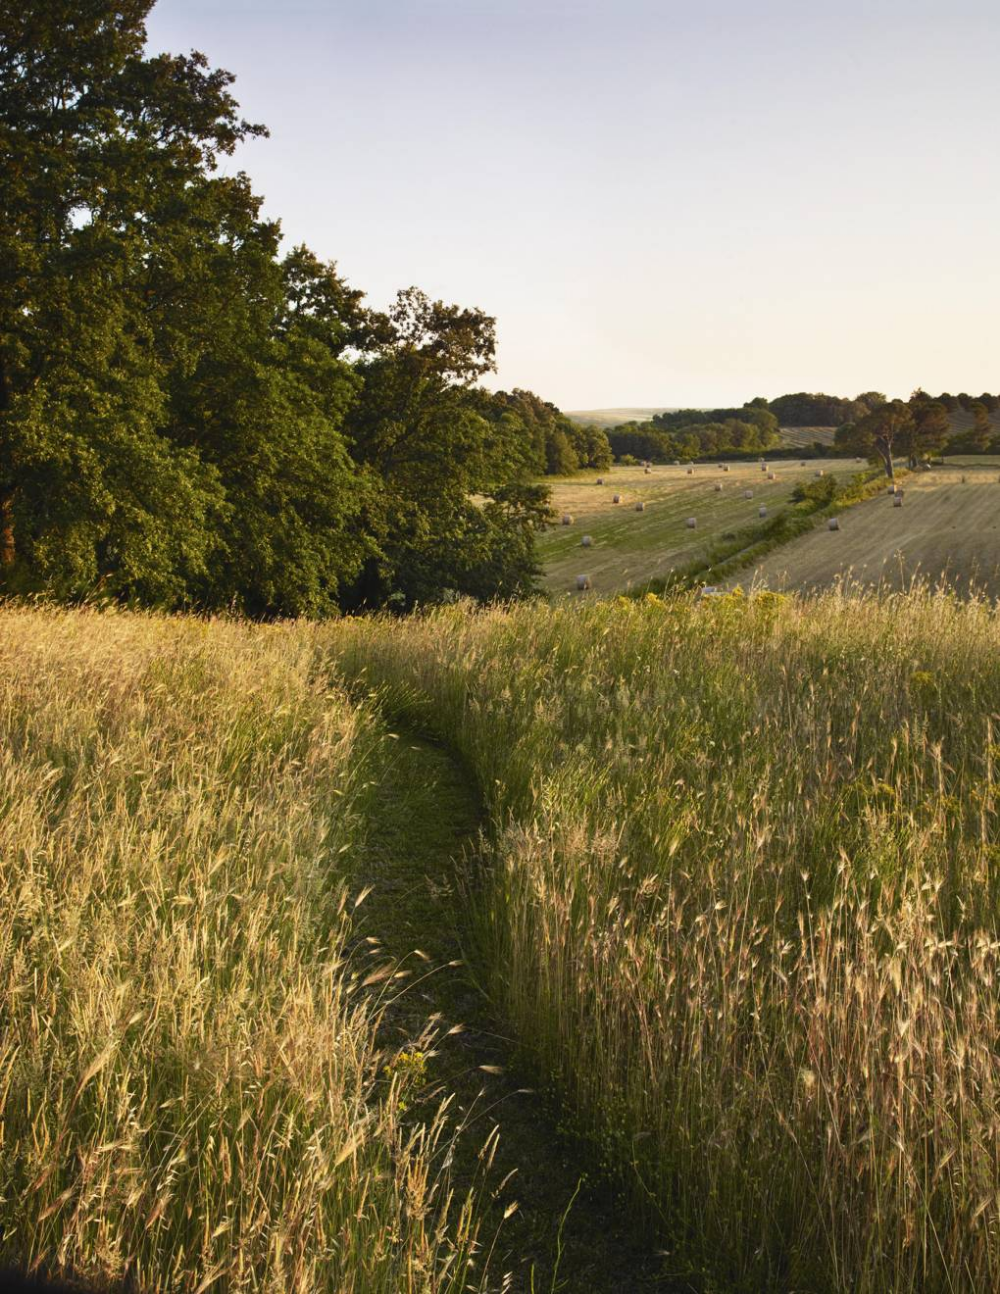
661, 206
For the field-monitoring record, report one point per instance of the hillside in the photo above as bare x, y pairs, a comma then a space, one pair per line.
946, 531
629, 548
614, 417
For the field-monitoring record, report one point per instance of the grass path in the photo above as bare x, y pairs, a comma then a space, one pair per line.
418, 858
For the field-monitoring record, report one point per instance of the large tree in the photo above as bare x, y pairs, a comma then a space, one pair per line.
187, 418
879, 434
929, 431
109, 203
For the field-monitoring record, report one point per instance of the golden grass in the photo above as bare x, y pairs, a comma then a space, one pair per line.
191, 1095
744, 911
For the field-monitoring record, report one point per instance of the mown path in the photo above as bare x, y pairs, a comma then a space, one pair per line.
424, 834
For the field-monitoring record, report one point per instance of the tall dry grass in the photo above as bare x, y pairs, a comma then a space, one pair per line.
744, 910
190, 1090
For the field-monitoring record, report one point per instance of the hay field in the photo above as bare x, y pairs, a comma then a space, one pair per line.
630, 548
947, 530
806, 437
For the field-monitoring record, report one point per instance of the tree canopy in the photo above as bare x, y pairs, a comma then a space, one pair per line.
189, 417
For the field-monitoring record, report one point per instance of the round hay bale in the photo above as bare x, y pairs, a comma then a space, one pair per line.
763, 467
771, 476
803, 463
567, 520
583, 582
600, 480
819, 474
586, 541
898, 500
748, 494
690, 471
833, 523
718, 487
616, 498
726, 468
677, 462
762, 511
692, 523
640, 506
648, 471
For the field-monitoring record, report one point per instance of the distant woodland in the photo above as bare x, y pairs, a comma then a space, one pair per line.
869, 424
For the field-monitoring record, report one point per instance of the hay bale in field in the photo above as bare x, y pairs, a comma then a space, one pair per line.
567, 520
762, 511
833, 523
803, 463
586, 541
616, 498
819, 474
692, 523
748, 494
718, 487
690, 471
677, 462
898, 500
583, 582
640, 506
648, 471
600, 480
771, 476
726, 467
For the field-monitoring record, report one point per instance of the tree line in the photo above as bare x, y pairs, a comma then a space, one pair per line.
869, 423
919, 428
189, 417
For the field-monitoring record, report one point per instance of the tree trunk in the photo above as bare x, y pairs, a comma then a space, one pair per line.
8, 552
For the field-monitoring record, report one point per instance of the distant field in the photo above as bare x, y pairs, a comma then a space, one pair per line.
615, 417
806, 437
946, 530
630, 547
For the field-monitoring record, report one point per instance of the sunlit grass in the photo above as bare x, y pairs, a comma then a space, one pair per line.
743, 910
191, 1095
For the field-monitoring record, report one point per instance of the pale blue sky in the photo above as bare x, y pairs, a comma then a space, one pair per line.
662, 203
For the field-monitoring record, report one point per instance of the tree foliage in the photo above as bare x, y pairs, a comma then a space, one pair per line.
186, 417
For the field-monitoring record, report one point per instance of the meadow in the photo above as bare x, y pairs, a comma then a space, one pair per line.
630, 548
735, 913
193, 1090
742, 913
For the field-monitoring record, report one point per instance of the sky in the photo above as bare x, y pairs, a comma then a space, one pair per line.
661, 203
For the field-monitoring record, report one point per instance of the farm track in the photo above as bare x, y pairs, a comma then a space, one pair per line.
420, 856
